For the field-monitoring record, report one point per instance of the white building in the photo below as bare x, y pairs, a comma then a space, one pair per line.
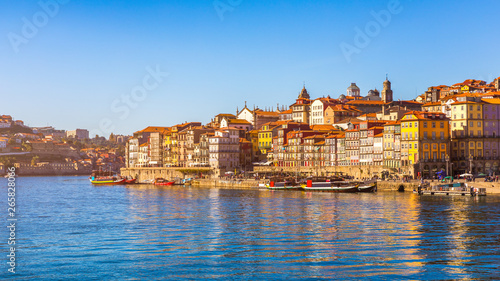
5, 124
143, 155
317, 110
224, 149
133, 152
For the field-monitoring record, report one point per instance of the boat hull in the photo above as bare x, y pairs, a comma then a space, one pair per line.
282, 187
372, 187
130, 181
337, 189
165, 183
107, 182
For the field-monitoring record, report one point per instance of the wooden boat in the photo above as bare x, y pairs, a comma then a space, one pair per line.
281, 183
368, 186
131, 181
105, 177
459, 188
327, 185
162, 181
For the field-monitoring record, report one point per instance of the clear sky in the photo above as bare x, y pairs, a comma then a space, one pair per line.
102, 65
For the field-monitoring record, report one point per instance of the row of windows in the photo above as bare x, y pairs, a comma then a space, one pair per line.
471, 107
411, 124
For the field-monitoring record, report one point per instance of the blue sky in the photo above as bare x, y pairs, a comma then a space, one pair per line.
83, 58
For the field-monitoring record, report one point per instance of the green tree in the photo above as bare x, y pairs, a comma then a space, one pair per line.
35, 160
27, 147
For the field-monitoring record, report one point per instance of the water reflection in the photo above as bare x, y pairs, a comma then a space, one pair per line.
203, 233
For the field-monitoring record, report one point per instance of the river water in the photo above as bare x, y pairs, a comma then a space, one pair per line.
69, 229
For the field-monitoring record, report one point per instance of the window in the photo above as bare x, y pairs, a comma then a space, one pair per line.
410, 145
478, 107
462, 116
441, 125
416, 147
442, 135
434, 146
479, 116
454, 125
416, 124
425, 124
442, 147
471, 107
425, 135
410, 124
426, 146
471, 124
433, 135
433, 124
478, 144
479, 124
471, 116
471, 144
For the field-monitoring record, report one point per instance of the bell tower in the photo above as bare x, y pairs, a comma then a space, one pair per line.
387, 92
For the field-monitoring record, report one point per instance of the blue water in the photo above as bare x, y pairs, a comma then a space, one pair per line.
69, 229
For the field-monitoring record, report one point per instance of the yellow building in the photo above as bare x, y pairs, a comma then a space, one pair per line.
424, 140
266, 137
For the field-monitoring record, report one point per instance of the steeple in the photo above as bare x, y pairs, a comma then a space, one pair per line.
386, 91
304, 94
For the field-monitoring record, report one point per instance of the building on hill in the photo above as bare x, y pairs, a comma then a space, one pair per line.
424, 142
81, 134
224, 150
373, 95
367, 106
301, 107
285, 115
387, 91
353, 91
392, 113
236, 123
318, 108
335, 113
257, 117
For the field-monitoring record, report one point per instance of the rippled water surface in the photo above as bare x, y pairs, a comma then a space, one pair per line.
69, 229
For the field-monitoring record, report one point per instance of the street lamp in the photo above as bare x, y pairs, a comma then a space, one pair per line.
470, 163
447, 158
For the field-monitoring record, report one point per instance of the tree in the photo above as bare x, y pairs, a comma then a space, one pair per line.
12, 141
27, 147
35, 160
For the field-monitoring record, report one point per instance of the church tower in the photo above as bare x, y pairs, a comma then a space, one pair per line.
387, 92
304, 94
353, 90
497, 84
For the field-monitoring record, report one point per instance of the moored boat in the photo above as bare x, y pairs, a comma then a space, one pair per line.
327, 185
278, 183
368, 186
162, 181
105, 177
130, 181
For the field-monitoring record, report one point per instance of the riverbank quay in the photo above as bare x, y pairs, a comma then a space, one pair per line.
147, 174
230, 184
